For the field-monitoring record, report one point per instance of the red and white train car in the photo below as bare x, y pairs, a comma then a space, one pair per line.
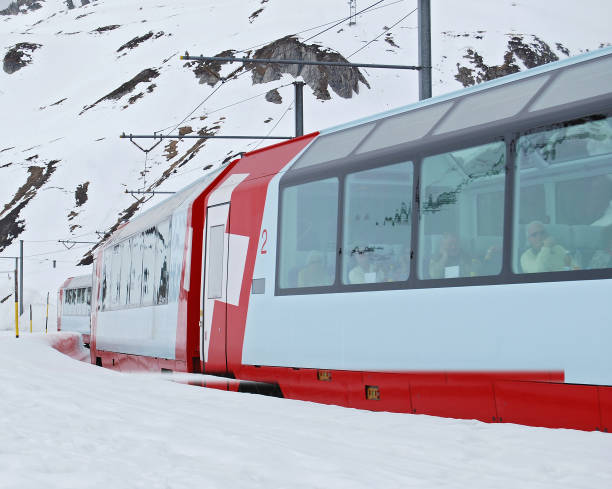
74, 306
451, 258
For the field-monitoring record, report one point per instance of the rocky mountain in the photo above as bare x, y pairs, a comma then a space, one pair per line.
76, 74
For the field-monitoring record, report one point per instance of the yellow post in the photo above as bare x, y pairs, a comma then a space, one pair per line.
16, 319
16, 303
30, 318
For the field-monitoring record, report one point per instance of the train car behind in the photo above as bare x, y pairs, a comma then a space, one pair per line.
74, 306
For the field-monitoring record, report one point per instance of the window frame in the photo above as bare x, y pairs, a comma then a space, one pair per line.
508, 131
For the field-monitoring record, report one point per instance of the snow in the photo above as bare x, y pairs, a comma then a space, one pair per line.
66, 423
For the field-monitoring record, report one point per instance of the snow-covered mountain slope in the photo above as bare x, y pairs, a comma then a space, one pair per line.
74, 79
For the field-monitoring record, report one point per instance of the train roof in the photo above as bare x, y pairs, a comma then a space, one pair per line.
164, 209
78, 282
577, 80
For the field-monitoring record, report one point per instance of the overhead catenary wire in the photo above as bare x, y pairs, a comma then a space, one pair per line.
336, 22
343, 20
383, 32
234, 76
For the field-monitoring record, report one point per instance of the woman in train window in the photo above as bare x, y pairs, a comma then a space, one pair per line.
451, 261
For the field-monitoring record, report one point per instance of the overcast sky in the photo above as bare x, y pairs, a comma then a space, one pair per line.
4, 3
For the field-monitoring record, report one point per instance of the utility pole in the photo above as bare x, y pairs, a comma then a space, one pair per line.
21, 277
352, 12
424, 49
299, 108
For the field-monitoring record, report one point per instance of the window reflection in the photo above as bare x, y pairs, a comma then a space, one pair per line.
456, 186
377, 225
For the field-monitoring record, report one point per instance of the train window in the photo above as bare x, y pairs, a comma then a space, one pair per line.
148, 266
88, 297
403, 128
104, 298
162, 248
577, 83
377, 225
308, 239
333, 146
136, 269
574, 161
126, 258
450, 244
215, 261
115, 276
491, 105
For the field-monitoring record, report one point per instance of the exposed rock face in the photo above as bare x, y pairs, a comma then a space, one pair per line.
143, 77
209, 72
18, 56
131, 44
10, 224
343, 81
274, 97
80, 194
21, 6
532, 54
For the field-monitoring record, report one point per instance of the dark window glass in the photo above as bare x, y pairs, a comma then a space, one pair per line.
162, 249
570, 226
308, 241
451, 245
377, 225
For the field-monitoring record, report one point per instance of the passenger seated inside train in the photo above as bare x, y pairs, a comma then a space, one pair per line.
314, 273
366, 270
451, 261
399, 268
544, 254
603, 258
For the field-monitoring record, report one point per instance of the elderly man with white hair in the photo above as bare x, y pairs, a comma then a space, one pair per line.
543, 255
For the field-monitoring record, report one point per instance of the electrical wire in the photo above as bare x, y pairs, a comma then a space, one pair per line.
323, 25
343, 20
384, 31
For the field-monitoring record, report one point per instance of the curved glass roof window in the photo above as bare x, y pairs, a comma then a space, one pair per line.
575, 83
404, 128
333, 146
491, 105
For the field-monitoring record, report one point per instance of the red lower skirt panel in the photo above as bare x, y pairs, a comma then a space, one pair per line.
136, 363
528, 398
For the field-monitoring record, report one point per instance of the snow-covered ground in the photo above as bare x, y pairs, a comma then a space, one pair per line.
69, 424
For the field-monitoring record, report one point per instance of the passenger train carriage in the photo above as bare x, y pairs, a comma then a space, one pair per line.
453, 258
74, 306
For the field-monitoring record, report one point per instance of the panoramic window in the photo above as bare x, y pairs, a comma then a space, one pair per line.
377, 225
308, 241
570, 226
148, 266
136, 269
126, 258
462, 204
115, 269
162, 248
333, 146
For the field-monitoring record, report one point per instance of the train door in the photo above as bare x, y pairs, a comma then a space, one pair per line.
214, 303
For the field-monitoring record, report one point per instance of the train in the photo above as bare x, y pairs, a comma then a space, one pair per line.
74, 306
452, 258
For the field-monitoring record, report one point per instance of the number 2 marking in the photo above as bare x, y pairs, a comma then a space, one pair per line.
264, 236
